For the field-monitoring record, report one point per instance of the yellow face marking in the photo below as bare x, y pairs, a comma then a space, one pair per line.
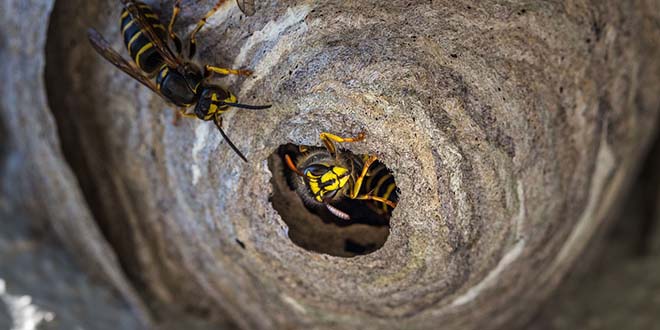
214, 108
141, 51
313, 184
124, 14
343, 181
231, 98
332, 180
339, 171
314, 187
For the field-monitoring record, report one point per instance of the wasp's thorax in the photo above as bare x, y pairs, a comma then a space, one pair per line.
180, 85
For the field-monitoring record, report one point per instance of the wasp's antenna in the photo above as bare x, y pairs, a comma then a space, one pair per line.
246, 106
292, 166
218, 123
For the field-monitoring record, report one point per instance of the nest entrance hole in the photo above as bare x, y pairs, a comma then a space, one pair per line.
313, 226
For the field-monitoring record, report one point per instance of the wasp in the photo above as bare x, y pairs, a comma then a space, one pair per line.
328, 175
178, 80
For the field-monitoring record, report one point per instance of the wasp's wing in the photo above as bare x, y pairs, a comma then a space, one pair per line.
246, 6
159, 44
103, 47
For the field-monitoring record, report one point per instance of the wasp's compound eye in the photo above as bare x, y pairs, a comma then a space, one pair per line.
223, 95
203, 106
316, 170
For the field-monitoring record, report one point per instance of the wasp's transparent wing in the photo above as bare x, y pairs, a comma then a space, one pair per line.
103, 47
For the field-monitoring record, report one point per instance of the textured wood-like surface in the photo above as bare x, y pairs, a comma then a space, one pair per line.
511, 129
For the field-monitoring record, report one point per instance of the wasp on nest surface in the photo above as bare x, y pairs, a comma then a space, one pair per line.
179, 81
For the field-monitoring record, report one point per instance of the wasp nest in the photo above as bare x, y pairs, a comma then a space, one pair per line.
510, 128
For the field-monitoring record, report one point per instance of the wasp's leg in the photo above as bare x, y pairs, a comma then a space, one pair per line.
192, 43
358, 183
170, 27
181, 113
208, 69
175, 120
383, 200
328, 138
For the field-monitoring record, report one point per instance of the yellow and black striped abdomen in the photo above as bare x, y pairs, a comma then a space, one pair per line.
140, 48
380, 182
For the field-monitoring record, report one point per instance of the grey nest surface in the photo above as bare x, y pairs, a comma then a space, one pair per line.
511, 129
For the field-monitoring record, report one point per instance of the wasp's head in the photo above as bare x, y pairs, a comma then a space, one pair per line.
325, 181
212, 100
323, 178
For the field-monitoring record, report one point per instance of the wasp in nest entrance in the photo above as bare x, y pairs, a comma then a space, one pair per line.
334, 201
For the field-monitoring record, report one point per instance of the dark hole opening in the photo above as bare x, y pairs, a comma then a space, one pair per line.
318, 227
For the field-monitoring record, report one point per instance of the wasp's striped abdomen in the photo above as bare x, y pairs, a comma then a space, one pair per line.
380, 182
140, 48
